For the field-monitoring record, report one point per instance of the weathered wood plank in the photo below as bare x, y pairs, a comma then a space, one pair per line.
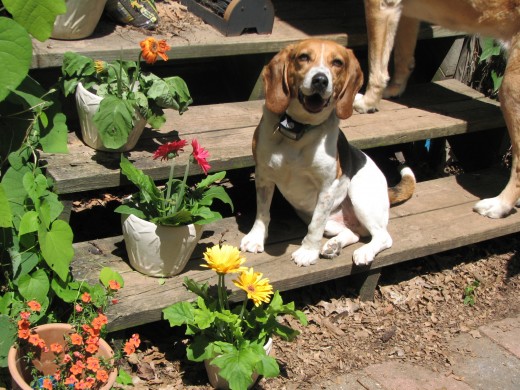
341, 21
226, 130
439, 217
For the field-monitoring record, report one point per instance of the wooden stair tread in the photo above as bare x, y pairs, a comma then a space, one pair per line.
339, 20
439, 217
428, 111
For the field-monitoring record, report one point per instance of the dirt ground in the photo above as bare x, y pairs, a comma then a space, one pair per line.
418, 307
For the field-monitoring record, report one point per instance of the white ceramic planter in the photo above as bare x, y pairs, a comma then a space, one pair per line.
87, 104
220, 383
79, 21
156, 250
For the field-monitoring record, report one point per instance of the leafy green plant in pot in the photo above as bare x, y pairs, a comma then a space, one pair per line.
233, 342
116, 99
162, 225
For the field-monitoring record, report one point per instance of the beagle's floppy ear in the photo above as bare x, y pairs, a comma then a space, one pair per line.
353, 82
277, 91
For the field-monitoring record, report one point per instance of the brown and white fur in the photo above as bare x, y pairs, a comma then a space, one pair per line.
335, 188
399, 19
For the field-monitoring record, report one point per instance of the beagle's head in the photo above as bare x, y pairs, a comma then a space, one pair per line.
311, 78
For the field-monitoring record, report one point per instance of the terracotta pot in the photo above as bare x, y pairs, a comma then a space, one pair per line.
87, 104
220, 383
79, 21
51, 333
156, 250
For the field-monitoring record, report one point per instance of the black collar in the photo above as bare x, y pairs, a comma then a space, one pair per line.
292, 129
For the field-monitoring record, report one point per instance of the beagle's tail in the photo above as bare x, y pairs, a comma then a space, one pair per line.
404, 189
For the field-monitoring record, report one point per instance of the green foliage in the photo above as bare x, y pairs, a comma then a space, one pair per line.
491, 48
233, 339
470, 293
174, 204
128, 94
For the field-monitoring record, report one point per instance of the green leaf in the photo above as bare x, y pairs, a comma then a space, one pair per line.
37, 16
203, 317
29, 223
180, 313
34, 286
56, 247
124, 378
126, 209
238, 366
114, 120
8, 336
497, 80
216, 193
489, 48
65, 290
145, 183
200, 349
15, 55
6, 217
107, 274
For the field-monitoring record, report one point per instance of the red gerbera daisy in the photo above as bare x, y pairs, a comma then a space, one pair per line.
170, 150
200, 155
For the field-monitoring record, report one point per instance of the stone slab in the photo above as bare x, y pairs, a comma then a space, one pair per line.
505, 333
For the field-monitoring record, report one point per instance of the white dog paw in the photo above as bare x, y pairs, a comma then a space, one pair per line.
305, 257
331, 249
362, 106
252, 243
492, 208
363, 256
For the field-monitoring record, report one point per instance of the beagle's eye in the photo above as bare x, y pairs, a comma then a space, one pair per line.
304, 57
337, 62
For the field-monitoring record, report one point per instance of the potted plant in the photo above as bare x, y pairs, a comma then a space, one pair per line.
162, 225
79, 21
116, 99
233, 341
67, 355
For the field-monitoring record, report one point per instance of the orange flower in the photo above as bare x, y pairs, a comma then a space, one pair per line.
34, 305
24, 315
93, 364
92, 348
71, 380
135, 340
67, 358
114, 285
36, 340
99, 321
90, 330
77, 368
23, 329
79, 309
151, 48
86, 297
47, 384
56, 348
76, 339
129, 348
102, 375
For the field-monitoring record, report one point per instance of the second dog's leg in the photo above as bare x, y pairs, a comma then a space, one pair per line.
404, 61
509, 94
382, 18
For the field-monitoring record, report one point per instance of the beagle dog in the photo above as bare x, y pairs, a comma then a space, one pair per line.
389, 20
335, 188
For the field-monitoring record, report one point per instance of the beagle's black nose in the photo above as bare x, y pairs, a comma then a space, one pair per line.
319, 81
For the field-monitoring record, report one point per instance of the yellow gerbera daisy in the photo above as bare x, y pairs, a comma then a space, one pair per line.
257, 289
99, 66
224, 259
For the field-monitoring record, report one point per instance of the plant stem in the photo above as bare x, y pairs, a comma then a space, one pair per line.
220, 287
137, 71
169, 189
183, 186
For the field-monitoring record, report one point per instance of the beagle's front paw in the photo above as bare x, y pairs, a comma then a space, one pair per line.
305, 257
253, 243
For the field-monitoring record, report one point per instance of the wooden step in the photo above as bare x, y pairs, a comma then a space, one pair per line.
431, 110
439, 217
339, 20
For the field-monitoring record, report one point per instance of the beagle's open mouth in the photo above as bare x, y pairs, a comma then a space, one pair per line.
313, 103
